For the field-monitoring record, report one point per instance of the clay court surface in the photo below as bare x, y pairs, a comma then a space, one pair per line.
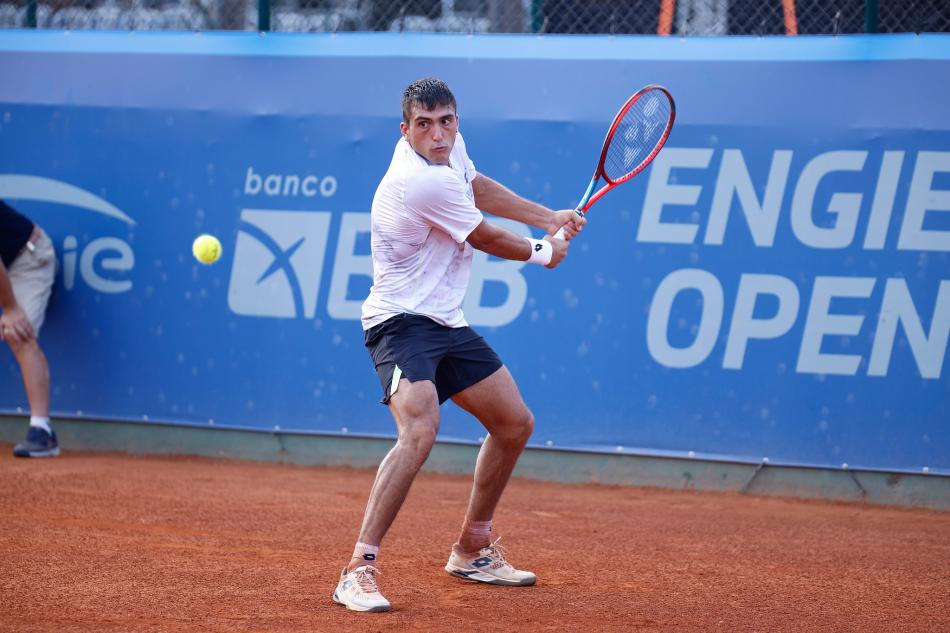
107, 542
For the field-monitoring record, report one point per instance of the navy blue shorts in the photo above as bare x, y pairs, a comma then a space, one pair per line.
415, 347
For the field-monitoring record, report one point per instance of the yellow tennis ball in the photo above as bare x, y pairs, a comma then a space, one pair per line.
206, 249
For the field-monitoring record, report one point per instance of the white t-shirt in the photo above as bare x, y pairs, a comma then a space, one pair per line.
422, 214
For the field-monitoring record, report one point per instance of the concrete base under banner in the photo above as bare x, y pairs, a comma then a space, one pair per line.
887, 488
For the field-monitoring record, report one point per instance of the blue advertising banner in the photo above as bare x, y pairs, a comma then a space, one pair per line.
775, 285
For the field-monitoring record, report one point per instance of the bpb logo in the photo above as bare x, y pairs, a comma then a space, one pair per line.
278, 261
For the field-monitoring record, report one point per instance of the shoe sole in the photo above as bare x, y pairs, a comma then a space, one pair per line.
52, 453
378, 609
474, 575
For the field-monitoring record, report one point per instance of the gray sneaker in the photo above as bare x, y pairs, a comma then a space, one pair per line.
38, 443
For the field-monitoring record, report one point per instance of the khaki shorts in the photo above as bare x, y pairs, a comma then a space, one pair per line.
31, 275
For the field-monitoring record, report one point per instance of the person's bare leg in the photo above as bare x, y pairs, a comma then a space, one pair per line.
415, 407
35, 372
498, 405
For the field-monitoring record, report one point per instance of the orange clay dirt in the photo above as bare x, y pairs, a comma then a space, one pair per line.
107, 542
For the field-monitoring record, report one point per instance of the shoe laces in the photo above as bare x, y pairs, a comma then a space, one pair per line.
365, 578
498, 555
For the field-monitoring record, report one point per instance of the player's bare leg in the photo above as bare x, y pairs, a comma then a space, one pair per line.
498, 405
35, 371
415, 407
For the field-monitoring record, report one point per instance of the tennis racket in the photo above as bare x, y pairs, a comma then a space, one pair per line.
636, 136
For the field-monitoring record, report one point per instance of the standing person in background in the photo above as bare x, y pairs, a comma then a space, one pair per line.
426, 223
27, 271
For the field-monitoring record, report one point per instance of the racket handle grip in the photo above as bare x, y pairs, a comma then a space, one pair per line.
560, 232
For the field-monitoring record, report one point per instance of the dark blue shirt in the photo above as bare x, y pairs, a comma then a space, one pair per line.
15, 230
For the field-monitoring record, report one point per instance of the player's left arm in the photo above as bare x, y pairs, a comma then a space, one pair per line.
493, 197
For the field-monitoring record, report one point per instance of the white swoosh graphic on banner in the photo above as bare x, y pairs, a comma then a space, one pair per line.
18, 187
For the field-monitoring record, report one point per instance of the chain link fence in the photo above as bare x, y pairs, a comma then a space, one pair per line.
663, 17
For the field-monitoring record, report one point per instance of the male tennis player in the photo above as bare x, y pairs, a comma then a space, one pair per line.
426, 221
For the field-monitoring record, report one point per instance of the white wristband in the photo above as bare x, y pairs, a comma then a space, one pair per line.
541, 251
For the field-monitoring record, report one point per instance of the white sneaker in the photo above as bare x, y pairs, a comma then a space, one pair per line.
358, 591
490, 566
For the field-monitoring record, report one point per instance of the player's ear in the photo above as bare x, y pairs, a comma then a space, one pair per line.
404, 129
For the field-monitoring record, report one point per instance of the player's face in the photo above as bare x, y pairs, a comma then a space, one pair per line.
432, 132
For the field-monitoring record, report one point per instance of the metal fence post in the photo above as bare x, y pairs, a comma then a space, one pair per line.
870, 16
31, 14
537, 16
263, 15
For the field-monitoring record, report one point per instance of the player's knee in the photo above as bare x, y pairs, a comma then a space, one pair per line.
519, 428
526, 426
419, 437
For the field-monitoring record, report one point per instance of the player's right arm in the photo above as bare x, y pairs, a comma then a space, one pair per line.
500, 242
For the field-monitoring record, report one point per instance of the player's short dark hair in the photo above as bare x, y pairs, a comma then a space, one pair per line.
429, 93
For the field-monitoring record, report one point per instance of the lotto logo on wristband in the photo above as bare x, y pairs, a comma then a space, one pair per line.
541, 251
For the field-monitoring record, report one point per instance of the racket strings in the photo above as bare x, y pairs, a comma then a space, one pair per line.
638, 134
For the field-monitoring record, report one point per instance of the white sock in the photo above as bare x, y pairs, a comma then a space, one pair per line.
42, 422
368, 554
